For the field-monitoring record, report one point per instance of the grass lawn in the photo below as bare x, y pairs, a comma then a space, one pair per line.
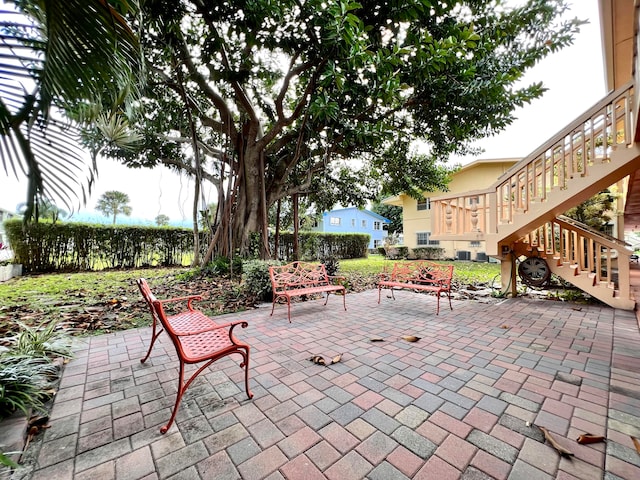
464, 272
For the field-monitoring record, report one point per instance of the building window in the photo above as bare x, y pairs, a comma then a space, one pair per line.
424, 238
353, 222
377, 243
474, 243
377, 225
364, 224
424, 204
335, 221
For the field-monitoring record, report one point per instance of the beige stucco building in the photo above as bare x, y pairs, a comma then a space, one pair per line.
416, 215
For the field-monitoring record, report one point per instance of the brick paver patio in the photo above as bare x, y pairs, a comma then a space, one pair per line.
455, 404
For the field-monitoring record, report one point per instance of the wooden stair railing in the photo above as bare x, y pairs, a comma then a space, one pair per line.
594, 262
565, 159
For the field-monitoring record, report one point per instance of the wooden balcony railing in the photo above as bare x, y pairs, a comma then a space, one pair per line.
589, 139
601, 256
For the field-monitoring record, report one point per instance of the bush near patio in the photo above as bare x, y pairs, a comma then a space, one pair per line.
428, 253
28, 369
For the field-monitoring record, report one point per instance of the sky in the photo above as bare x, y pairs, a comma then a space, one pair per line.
574, 78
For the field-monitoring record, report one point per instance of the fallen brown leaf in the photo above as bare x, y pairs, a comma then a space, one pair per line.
410, 338
636, 443
36, 421
336, 359
561, 450
587, 438
318, 359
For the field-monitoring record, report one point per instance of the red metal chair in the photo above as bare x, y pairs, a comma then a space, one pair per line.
196, 337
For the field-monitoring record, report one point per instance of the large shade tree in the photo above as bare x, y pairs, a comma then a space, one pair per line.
270, 100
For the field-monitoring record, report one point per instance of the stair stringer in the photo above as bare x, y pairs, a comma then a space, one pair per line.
586, 282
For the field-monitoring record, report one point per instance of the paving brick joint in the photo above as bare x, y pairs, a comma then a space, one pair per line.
465, 401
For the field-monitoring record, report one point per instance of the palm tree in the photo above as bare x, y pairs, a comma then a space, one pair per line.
113, 203
58, 55
44, 208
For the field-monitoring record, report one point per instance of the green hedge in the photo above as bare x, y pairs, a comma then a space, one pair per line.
428, 253
317, 245
66, 246
46, 247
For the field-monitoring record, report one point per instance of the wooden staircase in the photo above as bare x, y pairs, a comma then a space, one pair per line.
593, 152
594, 262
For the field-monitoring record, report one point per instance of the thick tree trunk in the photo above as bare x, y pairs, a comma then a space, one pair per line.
245, 211
296, 223
196, 232
276, 236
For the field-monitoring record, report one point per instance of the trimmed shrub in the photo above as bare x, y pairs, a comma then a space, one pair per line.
316, 245
428, 253
331, 264
46, 247
396, 253
256, 280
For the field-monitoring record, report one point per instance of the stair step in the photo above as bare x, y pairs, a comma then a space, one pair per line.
609, 285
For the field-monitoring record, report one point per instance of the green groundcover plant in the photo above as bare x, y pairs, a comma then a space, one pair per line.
28, 369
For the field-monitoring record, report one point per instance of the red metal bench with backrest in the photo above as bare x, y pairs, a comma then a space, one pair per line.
196, 337
301, 278
419, 275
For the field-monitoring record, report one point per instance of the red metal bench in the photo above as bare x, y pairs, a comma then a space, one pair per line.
419, 275
196, 337
302, 278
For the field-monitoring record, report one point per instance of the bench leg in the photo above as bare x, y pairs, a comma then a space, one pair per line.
179, 393
245, 365
182, 388
380, 291
273, 306
154, 335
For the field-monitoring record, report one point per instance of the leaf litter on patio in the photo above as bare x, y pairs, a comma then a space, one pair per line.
320, 360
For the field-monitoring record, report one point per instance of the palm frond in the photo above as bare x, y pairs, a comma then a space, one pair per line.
58, 54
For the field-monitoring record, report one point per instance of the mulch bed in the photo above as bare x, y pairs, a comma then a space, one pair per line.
82, 312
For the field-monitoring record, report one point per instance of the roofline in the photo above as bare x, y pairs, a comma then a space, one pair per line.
374, 214
481, 161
